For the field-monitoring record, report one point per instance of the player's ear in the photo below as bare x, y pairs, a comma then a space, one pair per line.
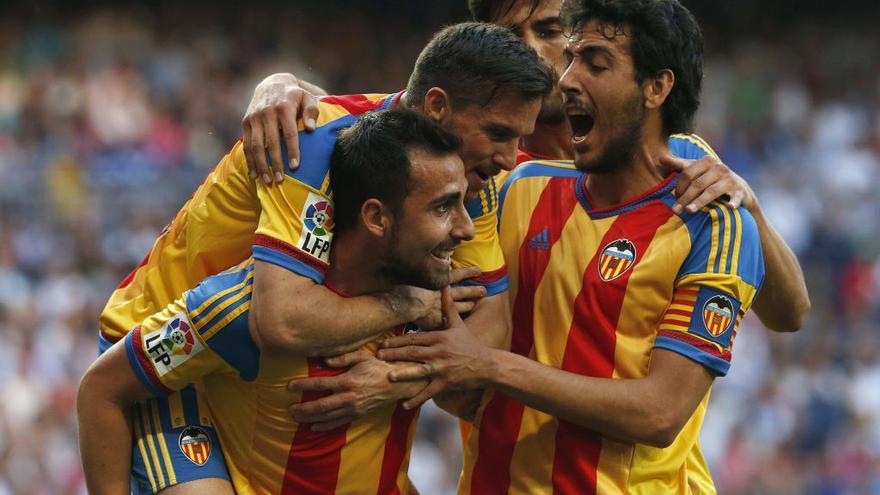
656, 89
437, 105
376, 217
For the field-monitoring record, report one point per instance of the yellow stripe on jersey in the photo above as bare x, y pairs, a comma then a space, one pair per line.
196, 313
725, 245
163, 447
140, 433
242, 307
737, 246
151, 446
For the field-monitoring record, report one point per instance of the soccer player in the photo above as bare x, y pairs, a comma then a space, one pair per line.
490, 102
782, 305
399, 216
624, 310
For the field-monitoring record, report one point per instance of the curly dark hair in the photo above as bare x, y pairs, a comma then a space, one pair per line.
663, 35
490, 10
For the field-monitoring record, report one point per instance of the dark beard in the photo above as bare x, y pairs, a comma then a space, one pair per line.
620, 150
398, 272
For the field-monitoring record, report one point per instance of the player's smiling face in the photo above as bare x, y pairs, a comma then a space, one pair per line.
603, 102
431, 224
490, 135
541, 29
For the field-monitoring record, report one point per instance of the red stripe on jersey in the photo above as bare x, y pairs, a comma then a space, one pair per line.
145, 362
489, 277
292, 251
354, 104
697, 342
680, 312
313, 459
395, 450
592, 339
128, 278
500, 423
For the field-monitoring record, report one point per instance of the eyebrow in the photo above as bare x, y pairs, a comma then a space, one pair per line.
547, 22
501, 132
587, 50
452, 197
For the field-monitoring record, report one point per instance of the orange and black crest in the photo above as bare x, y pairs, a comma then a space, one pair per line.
717, 315
617, 257
195, 444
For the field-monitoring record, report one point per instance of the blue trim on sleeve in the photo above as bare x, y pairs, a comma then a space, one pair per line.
136, 367
219, 316
190, 405
233, 343
699, 226
722, 227
270, 255
713, 363
492, 288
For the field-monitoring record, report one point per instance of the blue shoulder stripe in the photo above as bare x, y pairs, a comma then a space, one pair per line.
283, 260
315, 150
212, 285
535, 169
685, 146
233, 343
750, 267
714, 363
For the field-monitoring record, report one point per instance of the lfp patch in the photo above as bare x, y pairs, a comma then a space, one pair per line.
317, 232
617, 257
195, 444
172, 344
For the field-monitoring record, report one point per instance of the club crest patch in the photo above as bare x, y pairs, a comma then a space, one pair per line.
173, 344
317, 232
718, 314
195, 444
617, 257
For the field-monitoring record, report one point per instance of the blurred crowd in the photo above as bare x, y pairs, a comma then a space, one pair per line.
110, 117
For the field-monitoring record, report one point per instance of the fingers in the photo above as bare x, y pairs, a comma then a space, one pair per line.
332, 425
408, 353
309, 111
465, 306
318, 383
410, 339
456, 275
434, 388
467, 292
736, 199
672, 163
411, 373
287, 120
255, 148
326, 408
711, 193
271, 138
694, 180
447, 306
348, 359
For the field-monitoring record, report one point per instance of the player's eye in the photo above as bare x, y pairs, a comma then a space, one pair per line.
549, 33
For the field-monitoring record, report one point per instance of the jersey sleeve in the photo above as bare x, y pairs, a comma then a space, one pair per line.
714, 288
204, 332
484, 250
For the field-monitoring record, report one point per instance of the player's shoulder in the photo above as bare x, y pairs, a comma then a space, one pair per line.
332, 108
724, 240
690, 146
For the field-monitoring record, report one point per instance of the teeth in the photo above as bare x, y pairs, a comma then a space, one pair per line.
443, 254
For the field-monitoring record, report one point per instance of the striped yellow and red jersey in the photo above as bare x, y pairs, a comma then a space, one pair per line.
231, 217
594, 291
204, 336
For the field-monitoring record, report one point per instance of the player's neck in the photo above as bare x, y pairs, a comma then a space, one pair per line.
354, 267
641, 174
552, 141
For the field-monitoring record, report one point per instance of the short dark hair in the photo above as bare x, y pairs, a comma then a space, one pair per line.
491, 10
371, 160
663, 35
474, 62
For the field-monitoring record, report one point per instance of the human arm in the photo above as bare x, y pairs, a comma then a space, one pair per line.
783, 303
278, 102
292, 314
650, 410
106, 393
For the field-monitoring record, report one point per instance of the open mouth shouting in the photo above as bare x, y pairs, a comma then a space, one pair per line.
581, 121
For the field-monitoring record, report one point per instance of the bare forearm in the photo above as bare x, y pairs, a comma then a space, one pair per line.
105, 445
321, 323
636, 410
783, 303
463, 404
490, 321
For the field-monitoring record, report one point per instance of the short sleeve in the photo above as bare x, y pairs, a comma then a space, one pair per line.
484, 250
